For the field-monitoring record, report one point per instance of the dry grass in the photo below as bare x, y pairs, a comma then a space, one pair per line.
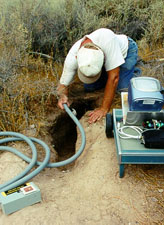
27, 96
152, 180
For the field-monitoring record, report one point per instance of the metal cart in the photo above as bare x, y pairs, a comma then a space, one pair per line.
132, 151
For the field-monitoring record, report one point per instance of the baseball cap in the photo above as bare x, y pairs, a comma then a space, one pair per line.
90, 60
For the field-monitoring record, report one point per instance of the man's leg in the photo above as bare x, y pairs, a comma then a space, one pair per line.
128, 69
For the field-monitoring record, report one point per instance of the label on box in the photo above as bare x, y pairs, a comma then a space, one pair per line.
149, 102
28, 189
11, 191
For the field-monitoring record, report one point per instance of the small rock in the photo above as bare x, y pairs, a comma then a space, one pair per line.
154, 199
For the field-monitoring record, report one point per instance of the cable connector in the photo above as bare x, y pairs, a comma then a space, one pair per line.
74, 112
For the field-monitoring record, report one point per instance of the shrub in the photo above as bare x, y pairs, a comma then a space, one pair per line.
14, 40
155, 30
32, 29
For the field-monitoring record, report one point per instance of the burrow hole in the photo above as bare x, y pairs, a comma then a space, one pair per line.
64, 130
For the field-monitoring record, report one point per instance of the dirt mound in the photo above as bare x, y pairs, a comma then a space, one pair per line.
89, 191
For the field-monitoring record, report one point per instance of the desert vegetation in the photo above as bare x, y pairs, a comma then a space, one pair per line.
35, 36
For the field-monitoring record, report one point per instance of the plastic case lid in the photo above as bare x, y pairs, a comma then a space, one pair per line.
146, 84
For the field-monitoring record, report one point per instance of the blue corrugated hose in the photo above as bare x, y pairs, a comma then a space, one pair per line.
23, 177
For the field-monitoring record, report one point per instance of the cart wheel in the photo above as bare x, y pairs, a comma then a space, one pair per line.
109, 125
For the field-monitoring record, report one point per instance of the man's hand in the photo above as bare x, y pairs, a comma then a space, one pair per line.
63, 100
62, 92
96, 115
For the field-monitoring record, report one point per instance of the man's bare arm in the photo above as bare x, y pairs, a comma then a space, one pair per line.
110, 88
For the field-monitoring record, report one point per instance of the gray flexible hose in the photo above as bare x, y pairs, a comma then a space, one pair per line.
22, 177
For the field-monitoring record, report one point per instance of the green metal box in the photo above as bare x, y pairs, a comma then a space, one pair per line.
19, 197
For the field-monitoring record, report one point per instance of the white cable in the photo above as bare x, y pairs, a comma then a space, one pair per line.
124, 135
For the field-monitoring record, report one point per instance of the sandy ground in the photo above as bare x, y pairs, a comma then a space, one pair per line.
90, 192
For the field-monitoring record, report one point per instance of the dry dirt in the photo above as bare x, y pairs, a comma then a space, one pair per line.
90, 192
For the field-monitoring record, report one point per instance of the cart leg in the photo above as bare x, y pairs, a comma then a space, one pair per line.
121, 170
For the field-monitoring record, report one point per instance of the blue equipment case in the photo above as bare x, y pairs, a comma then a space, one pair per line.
145, 94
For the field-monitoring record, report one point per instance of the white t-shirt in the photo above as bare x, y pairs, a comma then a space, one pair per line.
114, 47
